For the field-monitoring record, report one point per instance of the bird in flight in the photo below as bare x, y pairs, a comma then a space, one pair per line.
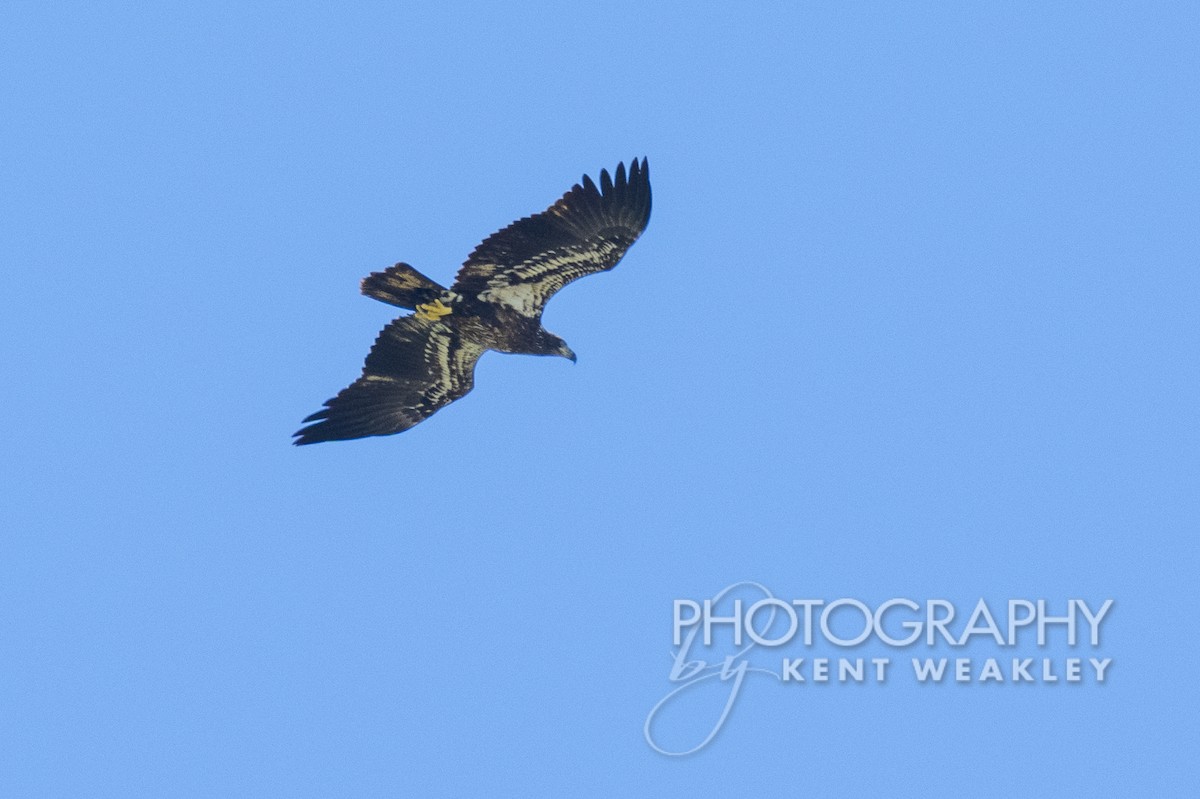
423, 361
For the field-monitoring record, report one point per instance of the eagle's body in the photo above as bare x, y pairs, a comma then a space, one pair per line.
423, 362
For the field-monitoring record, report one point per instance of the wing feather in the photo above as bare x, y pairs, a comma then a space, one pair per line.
587, 231
415, 368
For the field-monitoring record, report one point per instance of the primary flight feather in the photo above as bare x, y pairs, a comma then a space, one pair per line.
422, 362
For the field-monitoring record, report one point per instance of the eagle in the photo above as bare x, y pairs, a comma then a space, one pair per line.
423, 361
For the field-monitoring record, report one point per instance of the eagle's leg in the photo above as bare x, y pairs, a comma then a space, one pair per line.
433, 311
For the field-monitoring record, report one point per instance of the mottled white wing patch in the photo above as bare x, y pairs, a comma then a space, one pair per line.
524, 299
527, 287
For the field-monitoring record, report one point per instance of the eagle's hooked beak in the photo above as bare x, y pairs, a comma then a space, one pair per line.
569, 353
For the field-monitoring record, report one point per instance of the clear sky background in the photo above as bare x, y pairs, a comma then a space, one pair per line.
916, 315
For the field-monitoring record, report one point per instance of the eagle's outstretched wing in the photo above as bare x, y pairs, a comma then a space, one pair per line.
415, 367
586, 231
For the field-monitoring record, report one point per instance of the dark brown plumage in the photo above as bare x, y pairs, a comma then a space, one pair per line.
422, 362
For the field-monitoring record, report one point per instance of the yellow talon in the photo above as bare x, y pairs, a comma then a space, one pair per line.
433, 310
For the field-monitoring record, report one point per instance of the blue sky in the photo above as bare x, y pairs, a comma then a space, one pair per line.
915, 316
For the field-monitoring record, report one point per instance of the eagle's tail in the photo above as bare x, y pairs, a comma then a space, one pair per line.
401, 285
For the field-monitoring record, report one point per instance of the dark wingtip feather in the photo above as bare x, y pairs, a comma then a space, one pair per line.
326, 430
317, 434
306, 435
311, 433
316, 417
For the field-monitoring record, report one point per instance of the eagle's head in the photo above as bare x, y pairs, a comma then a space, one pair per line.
550, 344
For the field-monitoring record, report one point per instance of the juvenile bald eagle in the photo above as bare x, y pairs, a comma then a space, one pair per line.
424, 361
